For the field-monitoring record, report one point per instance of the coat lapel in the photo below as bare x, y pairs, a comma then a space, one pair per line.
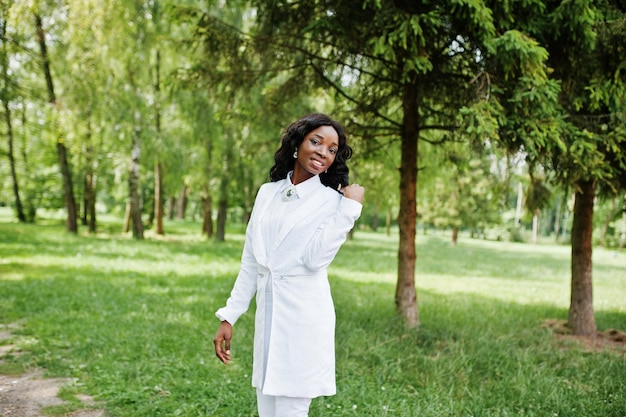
262, 203
307, 206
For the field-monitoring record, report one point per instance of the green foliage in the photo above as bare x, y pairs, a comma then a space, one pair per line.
133, 323
466, 193
537, 196
506, 71
519, 54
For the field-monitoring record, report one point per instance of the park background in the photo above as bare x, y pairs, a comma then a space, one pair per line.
491, 132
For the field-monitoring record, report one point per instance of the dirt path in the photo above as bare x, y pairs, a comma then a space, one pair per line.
28, 394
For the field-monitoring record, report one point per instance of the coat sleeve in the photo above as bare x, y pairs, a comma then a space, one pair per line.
244, 288
330, 235
246, 283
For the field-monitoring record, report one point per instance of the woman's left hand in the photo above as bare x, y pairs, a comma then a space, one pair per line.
354, 192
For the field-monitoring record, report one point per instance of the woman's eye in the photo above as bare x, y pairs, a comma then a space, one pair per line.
315, 141
333, 151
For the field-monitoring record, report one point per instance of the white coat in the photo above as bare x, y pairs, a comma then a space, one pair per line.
300, 357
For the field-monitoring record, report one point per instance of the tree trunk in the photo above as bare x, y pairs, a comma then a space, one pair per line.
30, 207
581, 318
222, 207
535, 234
171, 207
90, 201
16, 188
566, 215
557, 219
158, 196
375, 219
222, 204
622, 239
68, 188
127, 220
207, 214
19, 209
90, 183
207, 199
182, 202
158, 166
133, 183
455, 235
519, 205
406, 296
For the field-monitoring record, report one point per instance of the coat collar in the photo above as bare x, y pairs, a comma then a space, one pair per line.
304, 188
312, 200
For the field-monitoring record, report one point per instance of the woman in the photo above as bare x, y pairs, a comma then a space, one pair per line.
298, 223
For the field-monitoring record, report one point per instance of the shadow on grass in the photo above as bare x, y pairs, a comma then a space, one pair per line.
470, 353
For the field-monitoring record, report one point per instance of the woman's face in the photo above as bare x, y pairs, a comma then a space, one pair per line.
316, 153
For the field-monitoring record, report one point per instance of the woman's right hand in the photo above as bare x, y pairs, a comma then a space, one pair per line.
222, 342
354, 192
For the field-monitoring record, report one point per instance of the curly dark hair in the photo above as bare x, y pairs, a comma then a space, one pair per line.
336, 175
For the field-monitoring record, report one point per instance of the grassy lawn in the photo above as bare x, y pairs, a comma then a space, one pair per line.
133, 323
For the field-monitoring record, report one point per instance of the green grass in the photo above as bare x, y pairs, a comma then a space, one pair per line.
133, 323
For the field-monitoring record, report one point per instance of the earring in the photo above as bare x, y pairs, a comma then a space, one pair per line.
295, 154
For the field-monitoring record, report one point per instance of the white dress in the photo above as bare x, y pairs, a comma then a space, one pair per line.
289, 245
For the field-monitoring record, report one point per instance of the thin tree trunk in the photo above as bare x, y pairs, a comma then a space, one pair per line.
207, 214
171, 205
19, 209
622, 239
182, 202
133, 182
581, 317
375, 219
207, 199
248, 196
90, 201
566, 215
158, 196
222, 213
68, 188
507, 180
62, 153
134, 207
406, 296
455, 235
127, 219
518, 206
90, 181
557, 219
16, 188
158, 166
535, 234
222, 204
30, 207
